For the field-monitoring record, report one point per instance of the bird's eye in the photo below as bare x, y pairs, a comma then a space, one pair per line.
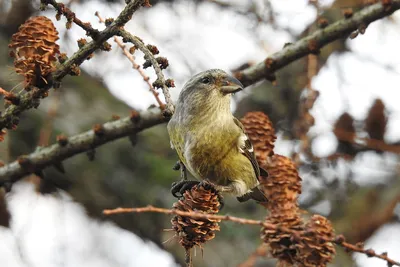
205, 80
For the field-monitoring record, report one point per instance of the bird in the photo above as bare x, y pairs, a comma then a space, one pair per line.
210, 142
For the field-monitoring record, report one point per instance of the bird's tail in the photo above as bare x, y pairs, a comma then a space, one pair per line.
255, 194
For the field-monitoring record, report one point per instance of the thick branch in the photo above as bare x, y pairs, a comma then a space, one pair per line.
31, 99
312, 43
54, 154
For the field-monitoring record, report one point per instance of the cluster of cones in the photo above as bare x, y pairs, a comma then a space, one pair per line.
34, 50
375, 125
305, 244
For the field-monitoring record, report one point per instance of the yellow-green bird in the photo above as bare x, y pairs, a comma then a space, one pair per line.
210, 141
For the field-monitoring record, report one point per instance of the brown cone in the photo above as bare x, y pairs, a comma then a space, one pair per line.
283, 183
376, 121
259, 129
344, 130
282, 188
313, 250
282, 245
344, 124
195, 232
34, 49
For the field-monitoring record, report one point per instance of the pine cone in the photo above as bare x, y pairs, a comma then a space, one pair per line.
261, 133
34, 50
376, 121
344, 124
283, 246
344, 129
283, 183
282, 188
195, 232
313, 251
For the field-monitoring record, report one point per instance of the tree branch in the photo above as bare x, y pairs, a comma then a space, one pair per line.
66, 148
32, 99
339, 240
314, 42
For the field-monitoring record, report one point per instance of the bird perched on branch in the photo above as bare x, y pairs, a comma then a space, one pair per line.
210, 141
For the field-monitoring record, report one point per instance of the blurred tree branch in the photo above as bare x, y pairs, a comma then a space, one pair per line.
68, 147
314, 42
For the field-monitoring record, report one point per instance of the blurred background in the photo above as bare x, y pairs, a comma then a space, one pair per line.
336, 114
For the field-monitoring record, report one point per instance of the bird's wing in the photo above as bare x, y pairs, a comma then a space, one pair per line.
177, 141
246, 148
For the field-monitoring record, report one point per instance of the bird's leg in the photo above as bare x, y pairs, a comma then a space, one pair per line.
183, 171
180, 166
182, 185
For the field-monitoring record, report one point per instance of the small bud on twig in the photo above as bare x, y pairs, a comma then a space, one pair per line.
135, 116
81, 42
170, 83
163, 62
62, 140
99, 130
348, 13
153, 49
25, 163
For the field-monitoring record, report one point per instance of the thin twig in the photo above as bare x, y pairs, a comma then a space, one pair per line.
261, 251
136, 66
369, 252
128, 37
339, 240
63, 9
188, 257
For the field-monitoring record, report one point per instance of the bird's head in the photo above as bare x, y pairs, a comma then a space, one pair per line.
212, 88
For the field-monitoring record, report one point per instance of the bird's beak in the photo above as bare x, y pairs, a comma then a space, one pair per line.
231, 85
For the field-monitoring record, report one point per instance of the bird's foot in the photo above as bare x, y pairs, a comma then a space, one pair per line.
181, 186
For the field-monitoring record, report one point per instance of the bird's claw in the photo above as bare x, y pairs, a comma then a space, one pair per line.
178, 189
181, 186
